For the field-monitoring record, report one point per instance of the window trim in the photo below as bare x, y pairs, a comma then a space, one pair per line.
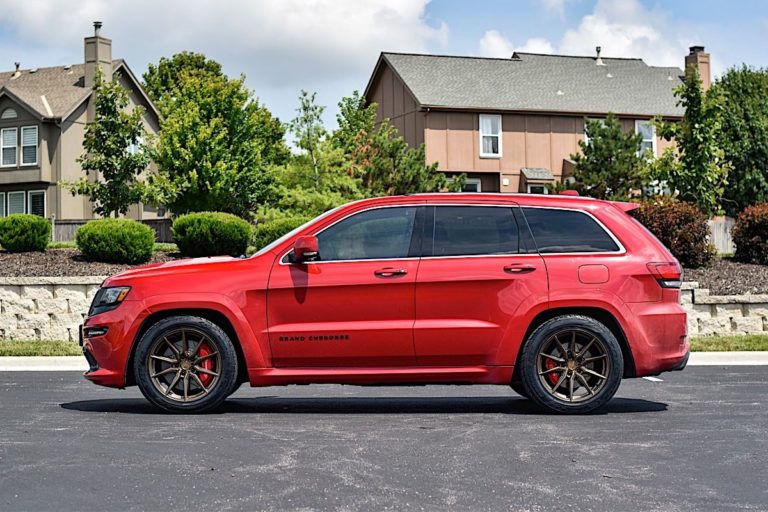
510, 206
4, 205
36, 146
529, 185
29, 201
4, 147
8, 201
498, 135
653, 136
14, 114
622, 249
475, 181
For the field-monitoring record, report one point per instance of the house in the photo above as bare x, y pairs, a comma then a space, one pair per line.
512, 124
43, 115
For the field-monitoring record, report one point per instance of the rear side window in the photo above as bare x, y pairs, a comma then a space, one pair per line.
567, 231
382, 233
474, 230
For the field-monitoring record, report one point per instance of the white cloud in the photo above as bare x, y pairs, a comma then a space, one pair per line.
555, 6
494, 44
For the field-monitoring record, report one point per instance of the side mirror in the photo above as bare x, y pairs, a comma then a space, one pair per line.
305, 249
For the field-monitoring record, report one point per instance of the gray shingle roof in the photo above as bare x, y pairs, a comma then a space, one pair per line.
533, 82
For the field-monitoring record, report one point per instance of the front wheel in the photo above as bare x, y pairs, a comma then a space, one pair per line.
185, 364
571, 364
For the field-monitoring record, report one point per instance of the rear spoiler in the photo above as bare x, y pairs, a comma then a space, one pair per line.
625, 207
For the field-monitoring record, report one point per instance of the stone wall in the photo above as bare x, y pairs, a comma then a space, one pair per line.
44, 308
723, 314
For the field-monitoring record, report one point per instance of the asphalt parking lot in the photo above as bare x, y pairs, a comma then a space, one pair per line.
696, 441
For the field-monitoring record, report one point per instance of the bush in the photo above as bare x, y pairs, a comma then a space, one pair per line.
269, 230
750, 234
116, 241
681, 227
211, 234
24, 233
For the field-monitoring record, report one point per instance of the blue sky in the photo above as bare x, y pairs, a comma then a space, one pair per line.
331, 46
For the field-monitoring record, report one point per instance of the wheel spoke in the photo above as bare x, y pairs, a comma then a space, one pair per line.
173, 347
554, 358
595, 358
184, 346
166, 371
587, 370
586, 347
561, 347
560, 381
197, 347
573, 343
203, 358
570, 387
200, 369
173, 383
552, 370
200, 383
584, 382
186, 386
163, 359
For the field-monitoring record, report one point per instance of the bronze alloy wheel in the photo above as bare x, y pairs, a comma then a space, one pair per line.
573, 365
184, 364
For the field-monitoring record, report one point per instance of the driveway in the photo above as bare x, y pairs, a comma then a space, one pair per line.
696, 441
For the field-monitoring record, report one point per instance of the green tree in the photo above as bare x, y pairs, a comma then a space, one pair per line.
698, 171
111, 162
164, 78
610, 165
354, 116
744, 135
215, 147
309, 130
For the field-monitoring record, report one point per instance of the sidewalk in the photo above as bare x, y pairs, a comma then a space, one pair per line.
77, 363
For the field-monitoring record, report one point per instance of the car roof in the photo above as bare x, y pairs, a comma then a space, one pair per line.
552, 200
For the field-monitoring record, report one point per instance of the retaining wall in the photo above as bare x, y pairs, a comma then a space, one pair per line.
723, 314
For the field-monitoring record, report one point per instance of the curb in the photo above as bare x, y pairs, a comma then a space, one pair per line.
78, 363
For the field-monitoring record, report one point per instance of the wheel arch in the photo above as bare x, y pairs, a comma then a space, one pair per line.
603, 316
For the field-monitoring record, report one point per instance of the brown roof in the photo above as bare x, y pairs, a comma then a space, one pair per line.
54, 92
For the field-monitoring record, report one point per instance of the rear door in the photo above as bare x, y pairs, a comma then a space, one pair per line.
476, 277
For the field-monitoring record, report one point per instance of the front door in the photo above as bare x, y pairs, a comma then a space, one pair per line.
473, 282
355, 305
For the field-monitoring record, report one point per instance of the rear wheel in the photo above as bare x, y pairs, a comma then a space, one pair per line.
185, 364
571, 364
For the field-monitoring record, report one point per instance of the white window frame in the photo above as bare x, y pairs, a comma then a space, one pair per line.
29, 201
529, 185
586, 137
36, 145
23, 199
638, 122
2, 204
475, 181
3, 147
497, 135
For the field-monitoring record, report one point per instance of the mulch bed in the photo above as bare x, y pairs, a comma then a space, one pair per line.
63, 262
728, 277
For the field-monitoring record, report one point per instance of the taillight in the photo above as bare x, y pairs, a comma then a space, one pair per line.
669, 274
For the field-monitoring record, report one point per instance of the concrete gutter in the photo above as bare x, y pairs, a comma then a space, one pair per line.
77, 363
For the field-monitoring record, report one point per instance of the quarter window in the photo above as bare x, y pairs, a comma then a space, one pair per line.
490, 135
8, 143
474, 230
648, 131
383, 233
558, 231
29, 145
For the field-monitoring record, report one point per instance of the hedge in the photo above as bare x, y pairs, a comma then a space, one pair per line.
750, 235
116, 241
211, 234
21, 232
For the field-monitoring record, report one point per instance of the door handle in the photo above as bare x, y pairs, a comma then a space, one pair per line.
518, 268
390, 272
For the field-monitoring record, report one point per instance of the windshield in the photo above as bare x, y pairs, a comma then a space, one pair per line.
288, 235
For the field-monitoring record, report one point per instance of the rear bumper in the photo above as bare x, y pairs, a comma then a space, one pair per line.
659, 337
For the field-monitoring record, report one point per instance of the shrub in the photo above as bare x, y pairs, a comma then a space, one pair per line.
270, 229
24, 233
211, 234
681, 227
750, 234
116, 241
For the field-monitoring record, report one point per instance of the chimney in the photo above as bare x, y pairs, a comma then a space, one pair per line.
699, 59
98, 53
598, 60
17, 73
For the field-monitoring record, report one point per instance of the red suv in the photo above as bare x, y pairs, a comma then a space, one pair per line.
558, 296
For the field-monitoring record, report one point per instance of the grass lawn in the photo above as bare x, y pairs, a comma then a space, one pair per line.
40, 348
747, 343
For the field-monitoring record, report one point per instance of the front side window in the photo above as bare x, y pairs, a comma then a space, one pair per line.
490, 135
8, 146
648, 131
565, 231
16, 203
474, 230
29, 145
383, 233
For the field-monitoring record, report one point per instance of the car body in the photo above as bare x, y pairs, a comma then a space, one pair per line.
427, 288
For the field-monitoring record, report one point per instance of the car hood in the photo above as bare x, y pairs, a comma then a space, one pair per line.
175, 266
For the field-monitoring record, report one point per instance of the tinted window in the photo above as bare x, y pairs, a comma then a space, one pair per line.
567, 231
373, 234
469, 230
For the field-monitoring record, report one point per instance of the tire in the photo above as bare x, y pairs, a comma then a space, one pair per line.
571, 364
185, 364
518, 388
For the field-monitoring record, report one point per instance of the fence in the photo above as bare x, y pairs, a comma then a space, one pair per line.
64, 230
720, 232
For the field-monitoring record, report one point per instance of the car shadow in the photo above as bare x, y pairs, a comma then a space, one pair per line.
365, 405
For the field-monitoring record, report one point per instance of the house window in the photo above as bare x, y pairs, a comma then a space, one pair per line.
16, 202
537, 189
36, 202
8, 145
472, 185
29, 145
586, 136
9, 113
648, 131
2, 204
490, 135
134, 148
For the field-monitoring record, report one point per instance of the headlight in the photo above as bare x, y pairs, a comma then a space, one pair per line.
107, 299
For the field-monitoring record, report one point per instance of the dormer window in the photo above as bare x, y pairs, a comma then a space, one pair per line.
490, 135
9, 113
